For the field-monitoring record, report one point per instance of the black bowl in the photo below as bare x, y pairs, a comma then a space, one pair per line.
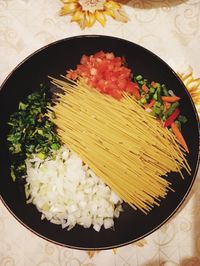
55, 59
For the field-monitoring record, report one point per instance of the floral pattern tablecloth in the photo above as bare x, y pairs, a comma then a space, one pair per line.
169, 28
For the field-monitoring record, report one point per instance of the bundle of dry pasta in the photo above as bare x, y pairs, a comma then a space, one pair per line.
121, 142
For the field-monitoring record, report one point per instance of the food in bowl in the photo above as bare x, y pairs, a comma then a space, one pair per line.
105, 139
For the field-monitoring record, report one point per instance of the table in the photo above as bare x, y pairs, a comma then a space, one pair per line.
169, 28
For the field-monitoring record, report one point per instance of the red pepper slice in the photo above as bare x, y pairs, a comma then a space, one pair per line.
172, 117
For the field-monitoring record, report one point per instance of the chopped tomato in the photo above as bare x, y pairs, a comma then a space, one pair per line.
72, 75
133, 88
116, 94
117, 61
109, 55
99, 54
121, 84
82, 69
84, 60
106, 73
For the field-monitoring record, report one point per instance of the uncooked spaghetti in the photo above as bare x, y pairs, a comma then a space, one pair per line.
121, 142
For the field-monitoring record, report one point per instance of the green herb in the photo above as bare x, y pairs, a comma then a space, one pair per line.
31, 132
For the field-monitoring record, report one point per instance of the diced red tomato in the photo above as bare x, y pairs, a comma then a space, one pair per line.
117, 61
101, 84
133, 88
84, 60
121, 84
82, 69
72, 75
116, 94
99, 54
106, 73
109, 56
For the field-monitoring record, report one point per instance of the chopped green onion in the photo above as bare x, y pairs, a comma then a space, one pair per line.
141, 82
12, 173
22, 106
40, 132
158, 85
143, 101
138, 77
155, 96
152, 90
171, 109
55, 146
159, 94
41, 155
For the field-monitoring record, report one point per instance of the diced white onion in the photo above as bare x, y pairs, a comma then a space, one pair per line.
67, 192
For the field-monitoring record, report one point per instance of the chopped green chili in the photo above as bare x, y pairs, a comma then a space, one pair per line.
171, 109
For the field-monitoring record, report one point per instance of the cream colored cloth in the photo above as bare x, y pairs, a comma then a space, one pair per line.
169, 28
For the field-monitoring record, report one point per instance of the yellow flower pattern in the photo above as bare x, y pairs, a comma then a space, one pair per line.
193, 86
87, 12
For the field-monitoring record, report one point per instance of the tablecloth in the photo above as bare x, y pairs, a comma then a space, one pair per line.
169, 28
